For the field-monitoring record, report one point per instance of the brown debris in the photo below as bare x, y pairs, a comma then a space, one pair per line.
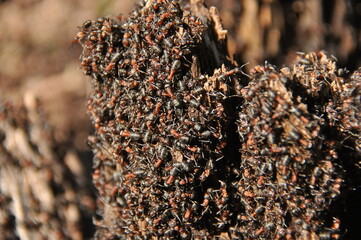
39, 198
273, 29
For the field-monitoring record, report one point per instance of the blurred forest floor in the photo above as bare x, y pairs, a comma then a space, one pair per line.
38, 57
274, 30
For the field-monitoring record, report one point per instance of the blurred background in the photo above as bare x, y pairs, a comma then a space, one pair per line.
39, 58
274, 30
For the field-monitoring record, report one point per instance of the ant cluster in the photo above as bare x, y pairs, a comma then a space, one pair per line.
179, 154
158, 122
293, 126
